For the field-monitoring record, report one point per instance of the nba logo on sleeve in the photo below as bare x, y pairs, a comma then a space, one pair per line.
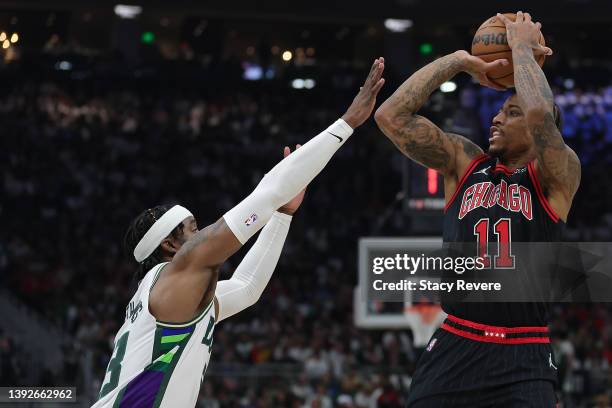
251, 220
431, 344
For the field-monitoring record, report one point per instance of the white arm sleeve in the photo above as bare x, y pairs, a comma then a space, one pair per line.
285, 181
252, 275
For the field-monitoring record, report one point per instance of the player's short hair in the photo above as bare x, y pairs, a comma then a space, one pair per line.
138, 228
557, 115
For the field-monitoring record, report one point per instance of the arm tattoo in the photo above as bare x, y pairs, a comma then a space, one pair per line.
469, 148
425, 143
559, 165
416, 90
414, 135
422, 142
531, 85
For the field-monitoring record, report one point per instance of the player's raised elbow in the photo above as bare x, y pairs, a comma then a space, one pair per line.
387, 120
381, 116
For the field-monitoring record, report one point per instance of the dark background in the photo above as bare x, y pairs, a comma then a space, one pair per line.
102, 117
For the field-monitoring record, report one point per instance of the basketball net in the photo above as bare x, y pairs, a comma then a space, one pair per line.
424, 319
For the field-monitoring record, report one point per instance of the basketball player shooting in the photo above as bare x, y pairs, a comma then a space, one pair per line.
163, 348
495, 354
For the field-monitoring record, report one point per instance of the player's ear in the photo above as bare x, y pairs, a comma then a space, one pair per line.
170, 245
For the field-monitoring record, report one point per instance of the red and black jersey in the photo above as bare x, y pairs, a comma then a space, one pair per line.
493, 203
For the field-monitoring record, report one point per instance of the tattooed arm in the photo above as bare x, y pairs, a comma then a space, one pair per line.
417, 137
557, 165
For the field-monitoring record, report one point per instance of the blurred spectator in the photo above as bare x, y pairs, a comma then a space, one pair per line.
85, 157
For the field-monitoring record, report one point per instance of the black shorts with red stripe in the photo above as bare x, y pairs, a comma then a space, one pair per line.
467, 364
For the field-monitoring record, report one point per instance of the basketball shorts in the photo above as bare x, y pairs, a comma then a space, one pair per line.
467, 364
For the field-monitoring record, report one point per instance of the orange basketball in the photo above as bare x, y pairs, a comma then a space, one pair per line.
490, 43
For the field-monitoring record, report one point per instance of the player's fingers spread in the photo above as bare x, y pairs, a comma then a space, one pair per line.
502, 18
378, 73
297, 146
519, 17
372, 77
527, 17
538, 25
378, 67
378, 86
371, 73
286, 151
373, 67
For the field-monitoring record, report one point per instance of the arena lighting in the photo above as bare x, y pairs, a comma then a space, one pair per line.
432, 181
397, 25
448, 86
147, 37
309, 83
252, 72
569, 83
426, 48
2, 36
127, 12
6, 44
287, 55
14, 38
297, 83
63, 66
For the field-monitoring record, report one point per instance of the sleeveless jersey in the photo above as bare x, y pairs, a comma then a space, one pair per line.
156, 364
493, 203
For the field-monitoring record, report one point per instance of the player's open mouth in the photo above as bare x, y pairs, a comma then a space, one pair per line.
494, 132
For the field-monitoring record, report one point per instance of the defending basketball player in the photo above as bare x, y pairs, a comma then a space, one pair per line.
495, 354
163, 348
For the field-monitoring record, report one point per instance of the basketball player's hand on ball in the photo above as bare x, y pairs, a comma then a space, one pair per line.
523, 31
363, 104
478, 68
292, 206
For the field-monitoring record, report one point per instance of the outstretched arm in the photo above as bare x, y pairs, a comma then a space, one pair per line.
283, 182
188, 282
251, 277
416, 136
557, 165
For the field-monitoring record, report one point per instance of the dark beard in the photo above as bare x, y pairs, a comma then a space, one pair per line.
495, 153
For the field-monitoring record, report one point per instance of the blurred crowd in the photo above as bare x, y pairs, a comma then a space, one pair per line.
82, 158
